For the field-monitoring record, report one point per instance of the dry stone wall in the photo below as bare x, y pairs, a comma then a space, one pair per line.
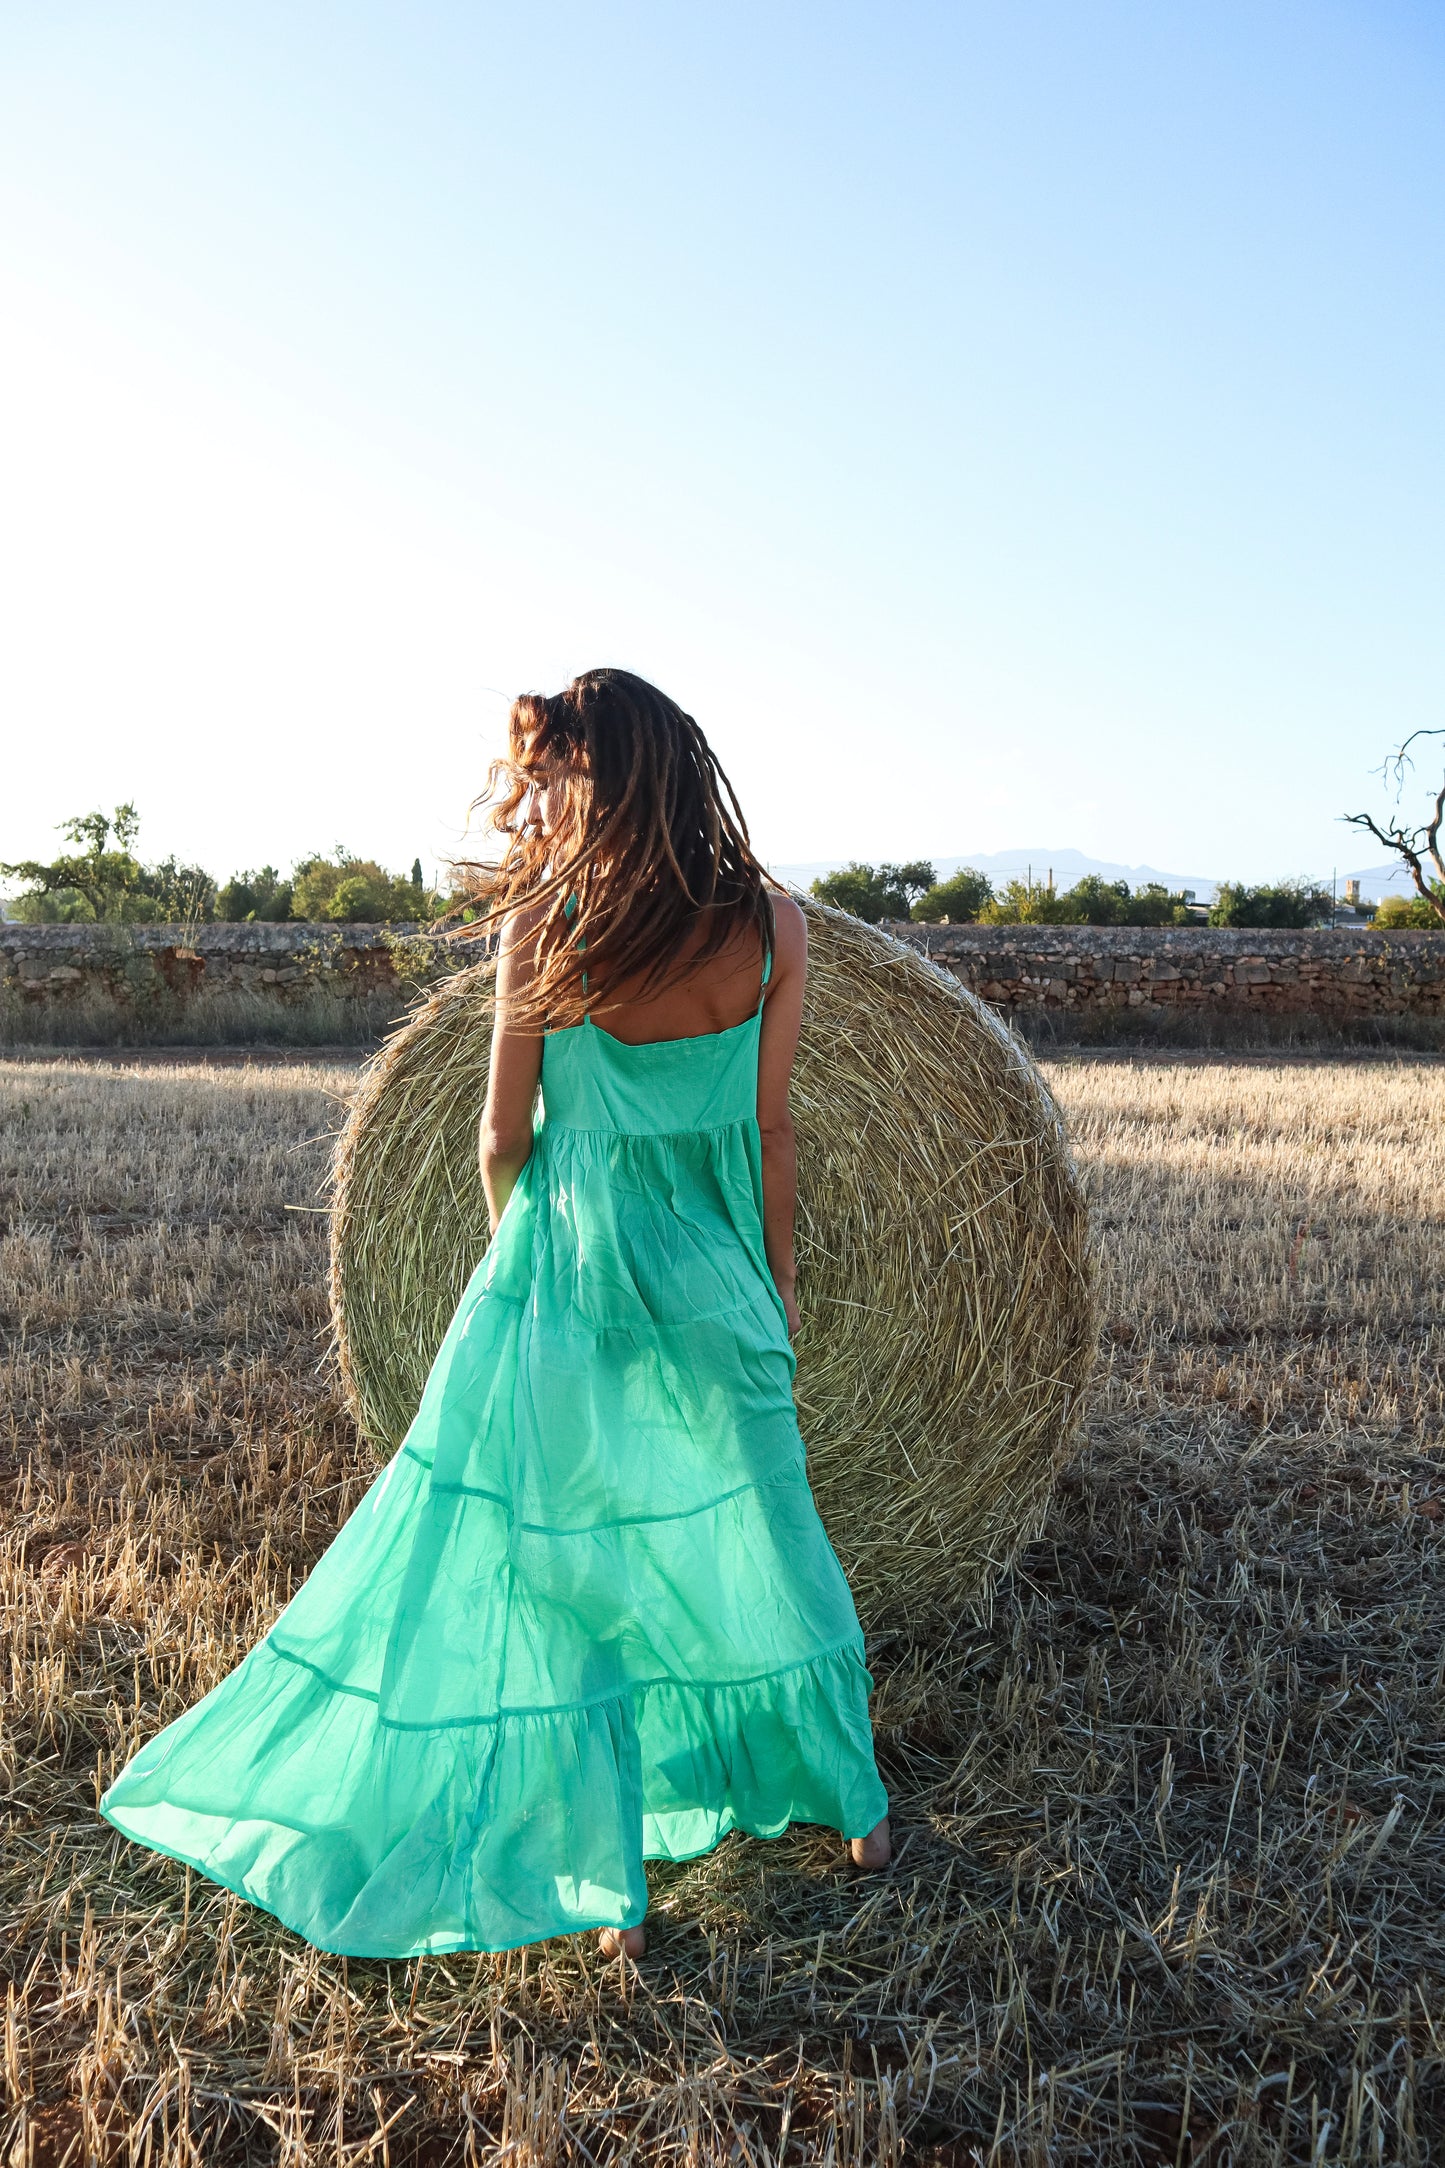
1340, 977
1093, 973
134, 966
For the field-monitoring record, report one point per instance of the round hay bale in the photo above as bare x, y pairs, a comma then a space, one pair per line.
944, 1271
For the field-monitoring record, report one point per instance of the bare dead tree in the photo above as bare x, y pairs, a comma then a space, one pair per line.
1413, 845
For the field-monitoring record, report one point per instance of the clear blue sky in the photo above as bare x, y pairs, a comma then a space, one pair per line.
1000, 425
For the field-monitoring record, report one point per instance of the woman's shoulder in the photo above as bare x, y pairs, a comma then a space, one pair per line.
523, 922
790, 930
516, 950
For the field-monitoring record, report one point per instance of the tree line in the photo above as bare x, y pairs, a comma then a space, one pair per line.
914, 891
103, 881
969, 897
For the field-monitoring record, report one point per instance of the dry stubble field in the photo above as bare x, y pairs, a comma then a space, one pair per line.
1170, 1865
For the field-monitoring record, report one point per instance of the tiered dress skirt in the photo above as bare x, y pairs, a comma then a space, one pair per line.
588, 1613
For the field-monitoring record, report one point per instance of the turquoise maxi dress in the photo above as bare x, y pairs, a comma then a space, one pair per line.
588, 1614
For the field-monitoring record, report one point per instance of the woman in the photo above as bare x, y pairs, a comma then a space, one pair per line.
588, 1614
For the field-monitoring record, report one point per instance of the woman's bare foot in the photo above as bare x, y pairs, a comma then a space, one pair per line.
622, 1941
875, 1850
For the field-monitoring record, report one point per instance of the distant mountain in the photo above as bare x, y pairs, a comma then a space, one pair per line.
1067, 867
1378, 881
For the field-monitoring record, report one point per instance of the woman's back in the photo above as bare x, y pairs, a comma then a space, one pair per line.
720, 993
677, 1072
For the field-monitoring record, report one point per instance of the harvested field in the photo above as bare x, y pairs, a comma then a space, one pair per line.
1170, 1871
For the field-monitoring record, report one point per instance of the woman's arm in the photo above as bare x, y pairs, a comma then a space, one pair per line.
504, 1142
778, 1043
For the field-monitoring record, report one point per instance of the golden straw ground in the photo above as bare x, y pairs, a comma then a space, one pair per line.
1170, 1865
944, 1272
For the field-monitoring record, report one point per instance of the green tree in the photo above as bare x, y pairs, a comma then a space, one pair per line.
1156, 905
362, 898
98, 830
1024, 903
90, 883
1278, 903
955, 901
260, 894
874, 893
104, 880
357, 891
172, 892
1093, 901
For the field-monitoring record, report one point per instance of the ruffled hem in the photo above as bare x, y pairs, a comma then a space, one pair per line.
372, 1839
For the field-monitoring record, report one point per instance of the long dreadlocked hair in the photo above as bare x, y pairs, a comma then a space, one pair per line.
642, 827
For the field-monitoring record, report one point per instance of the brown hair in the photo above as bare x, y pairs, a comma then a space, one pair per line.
642, 827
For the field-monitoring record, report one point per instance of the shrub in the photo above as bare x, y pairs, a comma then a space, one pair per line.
955, 901
1410, 912
1281, 903
51, 907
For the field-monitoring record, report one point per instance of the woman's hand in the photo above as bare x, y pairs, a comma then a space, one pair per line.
790, 1305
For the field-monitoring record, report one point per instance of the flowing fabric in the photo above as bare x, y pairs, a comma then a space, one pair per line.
588, 1614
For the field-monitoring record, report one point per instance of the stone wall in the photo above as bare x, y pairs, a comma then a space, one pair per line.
1090, 974
166, 968
1340, 978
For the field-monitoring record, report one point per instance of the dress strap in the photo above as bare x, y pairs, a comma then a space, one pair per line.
569, 907
767, 973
